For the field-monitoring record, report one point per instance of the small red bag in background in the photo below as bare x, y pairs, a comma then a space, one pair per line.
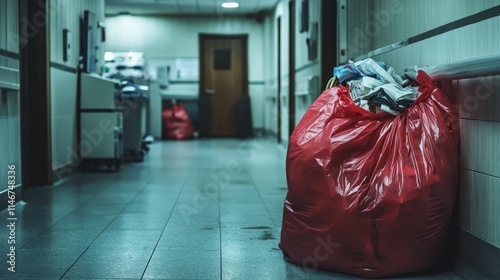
371, 194
176, 123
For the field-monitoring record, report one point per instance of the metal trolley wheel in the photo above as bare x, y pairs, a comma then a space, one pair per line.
100, 164
138, 156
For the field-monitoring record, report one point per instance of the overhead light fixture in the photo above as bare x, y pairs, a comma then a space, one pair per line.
230, 5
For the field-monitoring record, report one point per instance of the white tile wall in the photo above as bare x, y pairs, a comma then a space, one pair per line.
482, 203
476, 100
480, 146
464, 43
359, 35
418, 16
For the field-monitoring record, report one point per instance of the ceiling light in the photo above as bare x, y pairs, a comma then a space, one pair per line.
230, 5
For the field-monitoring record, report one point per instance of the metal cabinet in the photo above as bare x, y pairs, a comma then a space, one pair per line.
101, 123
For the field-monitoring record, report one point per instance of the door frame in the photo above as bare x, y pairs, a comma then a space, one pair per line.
291, 67
35, 104
202, 37
329, 40
278, 75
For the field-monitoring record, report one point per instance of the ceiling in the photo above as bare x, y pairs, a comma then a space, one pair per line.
186, 7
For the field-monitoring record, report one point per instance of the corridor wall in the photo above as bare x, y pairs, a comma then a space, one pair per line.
476, 99
167, 39
67, 15
305, 69
10, 142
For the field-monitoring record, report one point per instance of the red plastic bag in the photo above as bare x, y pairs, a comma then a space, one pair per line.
177, 124
371, 194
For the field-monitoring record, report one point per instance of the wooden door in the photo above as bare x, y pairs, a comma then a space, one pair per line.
223, 79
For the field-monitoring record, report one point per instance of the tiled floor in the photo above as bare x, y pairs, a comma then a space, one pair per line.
204, 209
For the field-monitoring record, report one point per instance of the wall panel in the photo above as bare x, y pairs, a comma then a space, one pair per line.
476, 100
67, 15
10, 142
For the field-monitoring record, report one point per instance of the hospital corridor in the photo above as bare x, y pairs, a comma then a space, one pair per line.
249, 139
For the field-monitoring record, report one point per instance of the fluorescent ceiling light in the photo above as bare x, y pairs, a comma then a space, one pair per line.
230, 5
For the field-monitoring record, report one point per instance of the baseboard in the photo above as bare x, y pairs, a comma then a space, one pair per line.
263, 133
64, 171
477, 258
57, 174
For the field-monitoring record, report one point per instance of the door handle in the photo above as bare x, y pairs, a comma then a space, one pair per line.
209, 91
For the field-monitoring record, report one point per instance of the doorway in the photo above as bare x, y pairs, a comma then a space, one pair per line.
223, 82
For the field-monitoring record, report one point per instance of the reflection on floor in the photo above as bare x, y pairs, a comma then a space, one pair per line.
203, 209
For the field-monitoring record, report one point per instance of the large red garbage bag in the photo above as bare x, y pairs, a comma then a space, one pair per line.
176, 122
371, 194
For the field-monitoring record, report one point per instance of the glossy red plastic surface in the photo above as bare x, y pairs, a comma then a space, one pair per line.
371, 194
176, 122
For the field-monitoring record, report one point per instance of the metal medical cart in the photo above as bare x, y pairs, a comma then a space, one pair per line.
101, 123
133, 102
